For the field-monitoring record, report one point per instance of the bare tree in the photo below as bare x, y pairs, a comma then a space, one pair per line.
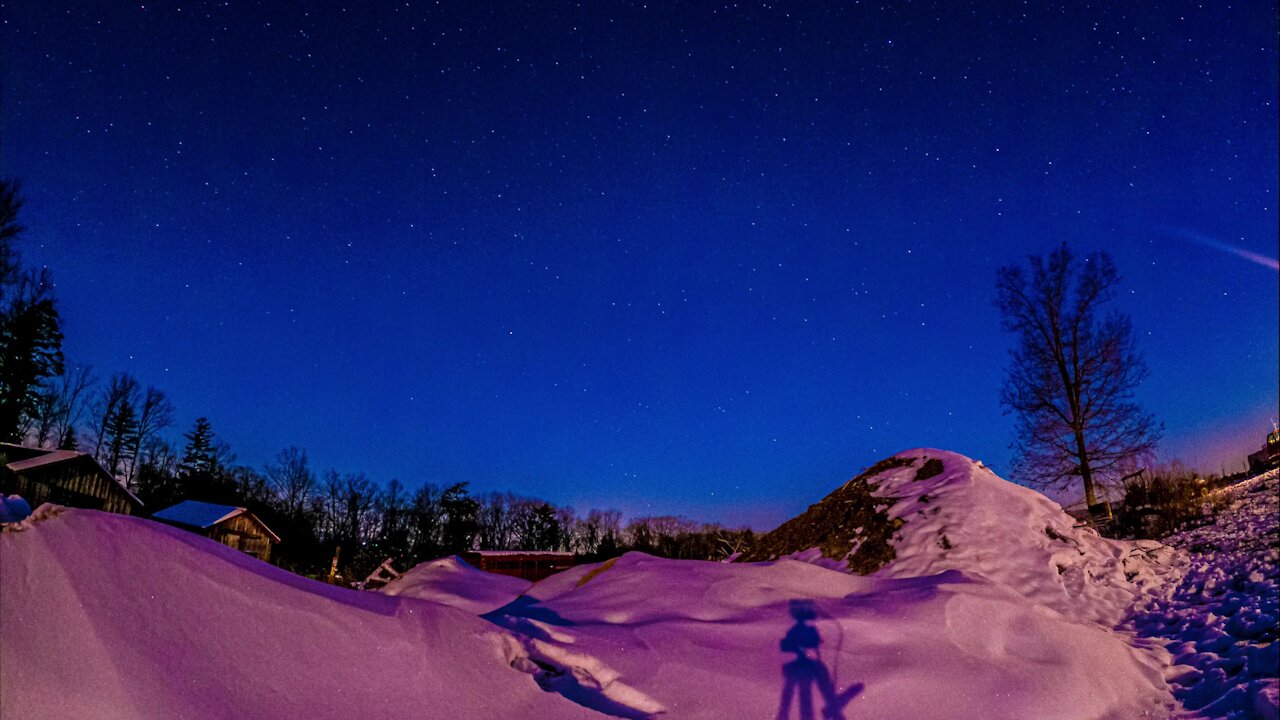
1073, 373
293, 481
114, 415
61, 404
495, 520
156, 414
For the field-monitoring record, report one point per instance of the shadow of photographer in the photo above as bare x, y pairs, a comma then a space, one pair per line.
807, 672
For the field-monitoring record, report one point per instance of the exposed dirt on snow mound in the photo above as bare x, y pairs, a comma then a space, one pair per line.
708, 641
850, 525
452, 581
112, 617
925, 511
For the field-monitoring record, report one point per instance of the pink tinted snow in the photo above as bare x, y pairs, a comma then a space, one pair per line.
451, 581
113, 617
1220, 623
1010, 622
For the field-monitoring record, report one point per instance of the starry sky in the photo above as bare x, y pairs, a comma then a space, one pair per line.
670, 258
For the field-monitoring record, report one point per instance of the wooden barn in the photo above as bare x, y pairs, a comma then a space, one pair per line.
232, 526
64, 477
528, 564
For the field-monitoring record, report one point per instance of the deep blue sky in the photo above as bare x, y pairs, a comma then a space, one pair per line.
671, 259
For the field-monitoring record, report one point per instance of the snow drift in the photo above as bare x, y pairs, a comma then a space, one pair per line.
925, 511
705, 640
452, 581
981, 603
107, 616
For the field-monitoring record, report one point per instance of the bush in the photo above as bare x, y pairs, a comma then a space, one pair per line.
1157, 504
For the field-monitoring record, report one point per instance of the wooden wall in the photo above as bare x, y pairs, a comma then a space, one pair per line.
245, 534
74, 483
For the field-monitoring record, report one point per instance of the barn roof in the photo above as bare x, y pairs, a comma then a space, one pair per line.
504, 553
44, 458
203, 515
55, 456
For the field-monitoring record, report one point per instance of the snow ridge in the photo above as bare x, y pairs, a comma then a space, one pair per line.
966, 518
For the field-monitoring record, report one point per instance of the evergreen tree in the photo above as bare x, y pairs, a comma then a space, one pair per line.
199, 455
460, 524
121, 435
30, 333
426, 523
30, 350
546, 531
109, 409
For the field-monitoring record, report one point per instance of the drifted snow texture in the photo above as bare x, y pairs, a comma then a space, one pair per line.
1221, 621
702, 640
984, 601
451, 581
926, 511
113, 617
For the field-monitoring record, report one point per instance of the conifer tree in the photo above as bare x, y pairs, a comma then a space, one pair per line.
30, 333
199, 455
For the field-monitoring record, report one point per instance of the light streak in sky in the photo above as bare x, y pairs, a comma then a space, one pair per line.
1216, 244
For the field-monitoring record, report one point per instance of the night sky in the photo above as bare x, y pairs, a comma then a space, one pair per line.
685, 258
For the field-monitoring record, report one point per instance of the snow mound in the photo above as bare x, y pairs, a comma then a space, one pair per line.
452, 581
30, 519
13, 509
108, 616
923, 512
706, 640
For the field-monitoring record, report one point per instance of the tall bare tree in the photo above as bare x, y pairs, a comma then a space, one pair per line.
155, 414
61, 404
1073, 373
115, 424
293, 480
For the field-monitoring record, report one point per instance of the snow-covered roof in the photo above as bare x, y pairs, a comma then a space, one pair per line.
50, 457
500, 553
198, 514
203, 515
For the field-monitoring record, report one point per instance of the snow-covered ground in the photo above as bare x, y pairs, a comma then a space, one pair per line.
992, 604
451, 581
119, 618
1221, 620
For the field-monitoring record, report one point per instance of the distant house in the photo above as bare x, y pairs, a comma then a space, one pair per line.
65, 477
232, 526
1269, 456
528, 564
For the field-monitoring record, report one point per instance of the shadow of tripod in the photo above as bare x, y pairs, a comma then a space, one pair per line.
807, 672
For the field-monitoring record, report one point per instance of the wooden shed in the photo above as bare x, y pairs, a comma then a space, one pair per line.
528, 564
64, 477
232, 526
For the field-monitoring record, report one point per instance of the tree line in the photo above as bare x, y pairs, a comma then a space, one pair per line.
1071, 383
49, 402
123, 424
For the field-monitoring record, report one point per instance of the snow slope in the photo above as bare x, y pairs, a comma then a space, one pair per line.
106, 617
1222, 620
997, 622
451, 581
703, 640
936, 511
